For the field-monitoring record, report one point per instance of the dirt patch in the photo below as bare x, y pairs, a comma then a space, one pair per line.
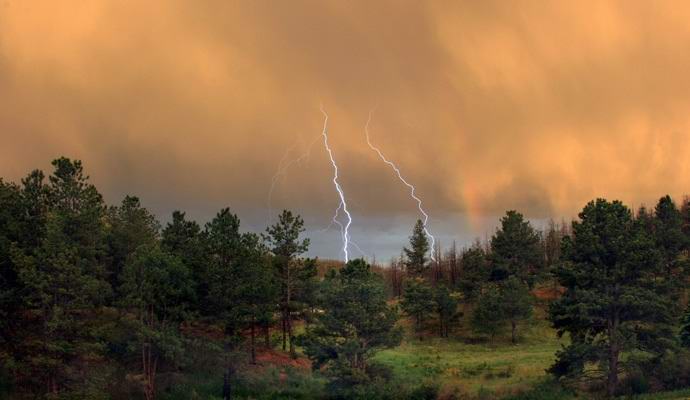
281, 359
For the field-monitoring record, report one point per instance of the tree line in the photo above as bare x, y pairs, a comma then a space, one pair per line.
615, 282
93, 295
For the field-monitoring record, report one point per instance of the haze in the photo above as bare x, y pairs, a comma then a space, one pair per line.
485, 106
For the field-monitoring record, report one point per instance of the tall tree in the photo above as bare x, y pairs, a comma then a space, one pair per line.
446, 303
63, 275
129, 226
185, 239
11, 211
475, 271
283, 239
226, 252
516, 303
488, 317
355, 322
256, 290
515, 249
155, 286
668, 232
613, 302
418, 303
416, 255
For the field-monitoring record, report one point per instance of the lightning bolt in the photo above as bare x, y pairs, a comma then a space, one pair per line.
335, 221
283, 167
343, 204
412, 189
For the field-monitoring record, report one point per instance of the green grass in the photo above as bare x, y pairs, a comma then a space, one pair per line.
476, 369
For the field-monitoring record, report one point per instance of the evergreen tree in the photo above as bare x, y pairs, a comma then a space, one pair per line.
475, 271
488, 317
446, 303
10, 290
670, 240
355, 322
418, 302
613, 302
515, 250
63, 276
226, 252
129, 226
685, 329
283, 239
155, 286
256, 292
516, 304
185, 239
416, 254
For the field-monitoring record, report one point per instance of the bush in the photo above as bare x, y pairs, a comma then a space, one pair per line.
424, 392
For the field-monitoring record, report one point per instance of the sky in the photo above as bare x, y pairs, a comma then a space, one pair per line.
484, 105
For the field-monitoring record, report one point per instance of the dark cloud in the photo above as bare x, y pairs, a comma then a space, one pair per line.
486, 106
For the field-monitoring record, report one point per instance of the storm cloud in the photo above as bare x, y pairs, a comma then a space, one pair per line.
486, 106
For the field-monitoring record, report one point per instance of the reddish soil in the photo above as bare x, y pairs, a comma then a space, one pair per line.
281, 359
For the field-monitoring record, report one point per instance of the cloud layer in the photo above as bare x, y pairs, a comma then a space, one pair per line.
486, 106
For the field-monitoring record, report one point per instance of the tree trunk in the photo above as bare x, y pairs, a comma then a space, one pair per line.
253, 347
227, 390
267, 336
149, 364
612, 383
289, 331
513, 332
283, 321
614, 349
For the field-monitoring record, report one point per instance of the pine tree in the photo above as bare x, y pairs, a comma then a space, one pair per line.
416, 255
516, 304
283, 239
446, 303
418, 302
613, 302
515, 250
488, 317
129, 226
670, 240
155, 286
185, 239
63, 275
355, 322
475, 271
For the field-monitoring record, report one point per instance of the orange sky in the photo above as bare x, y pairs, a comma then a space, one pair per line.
485, 105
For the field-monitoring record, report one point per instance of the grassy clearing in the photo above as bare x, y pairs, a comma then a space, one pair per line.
480, 369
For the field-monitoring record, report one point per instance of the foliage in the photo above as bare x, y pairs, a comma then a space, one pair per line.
488, 317
416, 254
613, 301
283, 240
446, 303
354, 323
155, 286
515, 250
128, 227
685, 329
475, 271
516, 303
418, 302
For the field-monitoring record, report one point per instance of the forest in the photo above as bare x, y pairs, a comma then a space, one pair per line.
102, 301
